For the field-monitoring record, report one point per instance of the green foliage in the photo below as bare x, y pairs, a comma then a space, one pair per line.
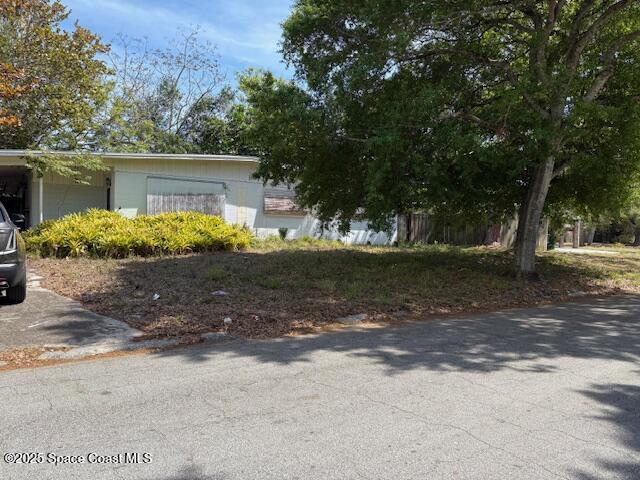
450, 107
75, 165
298, 142
56, 92
100, 233
225, 134
62, 72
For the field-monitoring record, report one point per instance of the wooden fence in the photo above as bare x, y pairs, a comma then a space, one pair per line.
422, 228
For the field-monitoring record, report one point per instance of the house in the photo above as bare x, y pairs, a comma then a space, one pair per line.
145, 183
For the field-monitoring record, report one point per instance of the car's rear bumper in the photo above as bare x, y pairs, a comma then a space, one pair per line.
12, 274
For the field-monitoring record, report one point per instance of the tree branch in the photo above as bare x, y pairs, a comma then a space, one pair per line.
598, 84
580, 42
609, 60
578, 20
546, 30
474, 119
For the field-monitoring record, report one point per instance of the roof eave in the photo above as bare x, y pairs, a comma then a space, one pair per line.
140, 156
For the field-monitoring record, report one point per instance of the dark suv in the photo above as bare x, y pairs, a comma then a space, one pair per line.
13, 270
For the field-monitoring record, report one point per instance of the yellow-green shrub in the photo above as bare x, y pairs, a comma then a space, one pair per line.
101, 233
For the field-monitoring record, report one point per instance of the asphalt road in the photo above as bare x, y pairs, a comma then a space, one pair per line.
531, 394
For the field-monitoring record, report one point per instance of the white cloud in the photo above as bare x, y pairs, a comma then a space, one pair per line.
245, 32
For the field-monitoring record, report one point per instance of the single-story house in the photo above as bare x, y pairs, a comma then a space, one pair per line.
145, 183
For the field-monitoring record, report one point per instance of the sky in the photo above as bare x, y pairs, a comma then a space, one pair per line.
246, 32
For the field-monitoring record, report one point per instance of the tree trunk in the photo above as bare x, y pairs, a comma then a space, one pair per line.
529, 217
636, 234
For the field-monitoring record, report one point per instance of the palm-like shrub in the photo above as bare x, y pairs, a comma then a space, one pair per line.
100, 233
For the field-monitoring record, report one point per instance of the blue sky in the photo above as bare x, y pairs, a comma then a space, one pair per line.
246, 32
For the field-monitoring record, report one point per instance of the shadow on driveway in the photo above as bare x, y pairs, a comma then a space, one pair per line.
46, 318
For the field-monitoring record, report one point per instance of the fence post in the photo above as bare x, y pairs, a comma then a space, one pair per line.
577, 232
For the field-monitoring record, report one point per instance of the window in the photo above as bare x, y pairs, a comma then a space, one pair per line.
282, 202
183, 195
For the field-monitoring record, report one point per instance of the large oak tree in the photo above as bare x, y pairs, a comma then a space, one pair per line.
465, 107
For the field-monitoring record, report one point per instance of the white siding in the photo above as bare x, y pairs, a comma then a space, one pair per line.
242, 192
59, 200
61, 195
244, 196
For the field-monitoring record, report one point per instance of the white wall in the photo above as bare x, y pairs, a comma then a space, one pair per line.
62, 195
242, 192
244, 196
59, 200
310, 226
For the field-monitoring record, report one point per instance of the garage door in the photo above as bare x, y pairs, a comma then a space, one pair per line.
180, 195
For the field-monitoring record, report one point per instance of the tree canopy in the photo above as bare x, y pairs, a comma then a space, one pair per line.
63, 89
474, 108
171, 100
53, 81
52, 86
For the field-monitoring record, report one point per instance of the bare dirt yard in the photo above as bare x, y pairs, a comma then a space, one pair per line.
279, 288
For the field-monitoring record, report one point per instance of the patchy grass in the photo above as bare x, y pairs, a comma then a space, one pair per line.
216, 273
275, 242
280, 287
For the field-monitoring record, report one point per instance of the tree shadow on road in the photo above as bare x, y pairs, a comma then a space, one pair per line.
192, 472
620, 407
524, 339
534, 341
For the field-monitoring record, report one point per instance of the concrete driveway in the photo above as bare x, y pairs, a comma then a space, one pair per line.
545, 393
46, 318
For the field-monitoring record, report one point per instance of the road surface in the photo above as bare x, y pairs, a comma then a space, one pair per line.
546, 393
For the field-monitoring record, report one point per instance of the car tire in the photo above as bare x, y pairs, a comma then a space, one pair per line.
16, 294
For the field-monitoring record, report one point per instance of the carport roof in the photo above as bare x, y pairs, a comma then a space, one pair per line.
139, 156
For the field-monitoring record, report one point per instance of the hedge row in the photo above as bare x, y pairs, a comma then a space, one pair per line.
104, 234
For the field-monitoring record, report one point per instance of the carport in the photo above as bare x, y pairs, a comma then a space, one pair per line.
48, 197
15, 194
